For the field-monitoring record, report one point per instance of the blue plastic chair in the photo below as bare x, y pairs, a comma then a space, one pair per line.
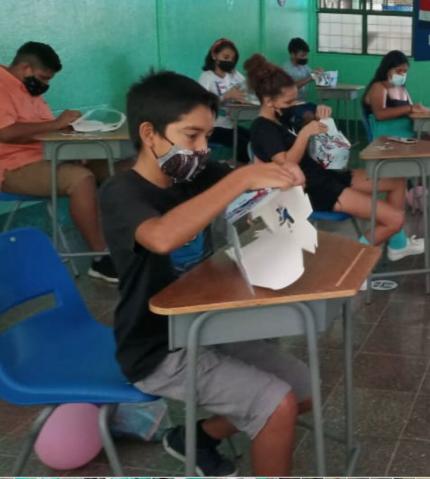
366, 125
18, 200
60, 355
335, 216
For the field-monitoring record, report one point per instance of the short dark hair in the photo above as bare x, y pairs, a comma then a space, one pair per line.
162, 98
297, 45
39, 54
216, 47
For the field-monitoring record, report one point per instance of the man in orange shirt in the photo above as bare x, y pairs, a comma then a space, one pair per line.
24, 114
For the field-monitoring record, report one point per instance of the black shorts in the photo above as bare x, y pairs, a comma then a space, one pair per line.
325, 186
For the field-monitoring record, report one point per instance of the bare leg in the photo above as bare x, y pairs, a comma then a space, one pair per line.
85, 213
394, 187
220, 427
389, 219
272, 448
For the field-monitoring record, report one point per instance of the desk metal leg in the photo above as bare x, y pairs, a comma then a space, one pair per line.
346, 110
355, 110
235, 137
424, 182
109, 156
352, 450
311, 335
54, 198
191, 394
375, 177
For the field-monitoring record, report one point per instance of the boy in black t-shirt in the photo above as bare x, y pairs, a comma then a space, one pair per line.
167, 200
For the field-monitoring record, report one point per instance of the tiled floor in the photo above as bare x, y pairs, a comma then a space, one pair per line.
392, 392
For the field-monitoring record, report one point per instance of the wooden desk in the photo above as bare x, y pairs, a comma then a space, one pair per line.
349, 95
212, 304
240, 111
384, 158
420, 121
67, 145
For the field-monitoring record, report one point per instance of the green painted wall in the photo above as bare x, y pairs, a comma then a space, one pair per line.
106, 44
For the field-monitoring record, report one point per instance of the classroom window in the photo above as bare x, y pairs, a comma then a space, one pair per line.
365, 26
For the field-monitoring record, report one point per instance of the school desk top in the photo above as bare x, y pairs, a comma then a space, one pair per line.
68, 135
337, 270
383, 149
241, 106
419, 116
341, 86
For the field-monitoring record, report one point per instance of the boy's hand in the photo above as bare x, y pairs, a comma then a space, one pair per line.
296, 172
268, 175
67, 117
323, 111
314, 128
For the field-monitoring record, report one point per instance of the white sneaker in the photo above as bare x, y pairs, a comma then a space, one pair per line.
413, 246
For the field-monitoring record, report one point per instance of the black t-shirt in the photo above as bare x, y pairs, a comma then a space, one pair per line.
127, 200
269, 138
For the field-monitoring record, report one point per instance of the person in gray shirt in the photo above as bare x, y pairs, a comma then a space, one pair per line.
297, 66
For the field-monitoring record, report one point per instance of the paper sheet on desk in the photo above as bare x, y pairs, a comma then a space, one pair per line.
274, 259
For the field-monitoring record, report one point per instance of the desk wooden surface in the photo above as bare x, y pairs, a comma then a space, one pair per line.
70, 136
337, 270
342, 87
241, 106
420, 116
383, 149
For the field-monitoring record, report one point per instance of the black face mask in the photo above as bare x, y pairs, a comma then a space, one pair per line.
34, 86
302, 61
226, 65
286, 116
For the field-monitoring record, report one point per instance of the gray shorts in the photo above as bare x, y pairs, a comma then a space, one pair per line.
244, 382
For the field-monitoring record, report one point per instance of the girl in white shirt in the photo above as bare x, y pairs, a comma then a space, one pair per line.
221, 77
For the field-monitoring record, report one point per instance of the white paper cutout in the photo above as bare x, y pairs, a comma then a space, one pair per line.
274, 259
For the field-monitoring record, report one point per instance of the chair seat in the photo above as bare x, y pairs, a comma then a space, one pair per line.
62, 365
329, 216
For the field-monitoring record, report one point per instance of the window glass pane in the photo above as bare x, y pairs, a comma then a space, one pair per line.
390, 5
386, 33
340, 4
339, 32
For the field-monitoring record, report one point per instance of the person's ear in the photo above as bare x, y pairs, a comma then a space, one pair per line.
147, 133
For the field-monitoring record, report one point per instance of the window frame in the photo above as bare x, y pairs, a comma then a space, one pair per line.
364, 11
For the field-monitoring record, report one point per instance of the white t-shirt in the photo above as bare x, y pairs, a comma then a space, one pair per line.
219, 86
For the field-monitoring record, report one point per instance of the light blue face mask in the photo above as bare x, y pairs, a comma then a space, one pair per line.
398, 80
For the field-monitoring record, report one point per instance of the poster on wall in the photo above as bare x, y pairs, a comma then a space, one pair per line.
421, 33
424, 10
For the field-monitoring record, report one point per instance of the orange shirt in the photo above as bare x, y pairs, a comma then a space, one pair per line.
18, 106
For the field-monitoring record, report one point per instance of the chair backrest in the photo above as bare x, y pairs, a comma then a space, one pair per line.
250, 152
30, 267
366, 124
